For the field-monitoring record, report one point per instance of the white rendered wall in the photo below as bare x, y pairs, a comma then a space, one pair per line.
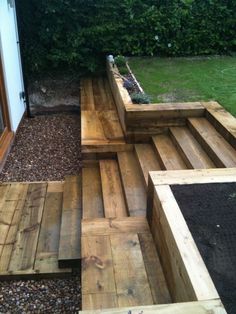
11, 62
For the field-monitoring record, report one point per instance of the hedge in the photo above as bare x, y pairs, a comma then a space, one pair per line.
77, 34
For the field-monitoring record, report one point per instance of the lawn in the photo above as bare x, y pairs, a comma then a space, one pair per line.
188, 79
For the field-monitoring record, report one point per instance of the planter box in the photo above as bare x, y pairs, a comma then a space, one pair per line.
187, 276
141, 121
148, 119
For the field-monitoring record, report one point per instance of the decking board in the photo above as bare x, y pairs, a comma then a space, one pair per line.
220, 151
134, 189
30, 214
69, 254
123, 250
100, 124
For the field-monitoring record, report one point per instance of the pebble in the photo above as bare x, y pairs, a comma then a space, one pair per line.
46, 148
62, 296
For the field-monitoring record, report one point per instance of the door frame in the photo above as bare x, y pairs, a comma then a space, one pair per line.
6, 137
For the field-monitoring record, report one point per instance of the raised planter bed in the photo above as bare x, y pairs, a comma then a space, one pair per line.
186, 273
151, 116
142, 120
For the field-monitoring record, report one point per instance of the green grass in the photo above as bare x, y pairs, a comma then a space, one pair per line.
188, 79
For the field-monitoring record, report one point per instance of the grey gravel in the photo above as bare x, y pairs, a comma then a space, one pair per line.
46, 147
41, 296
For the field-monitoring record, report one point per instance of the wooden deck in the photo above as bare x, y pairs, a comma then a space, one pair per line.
117, 245
33, 229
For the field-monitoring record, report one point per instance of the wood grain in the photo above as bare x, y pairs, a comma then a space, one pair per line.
113, 198
135, 192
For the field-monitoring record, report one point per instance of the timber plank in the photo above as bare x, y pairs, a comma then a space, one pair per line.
196, 176
111, 125
100, 97
220, 151
108, 226
157, 281
91, 126
133, 185
167, 153
147, 160
92, 193
69, 244
24, 250
86, 94
130, 275
113, 198
46, 260
199, 307
99, 301
110, 101
222, 120
10, 238
97, 265
190, 150
177, 250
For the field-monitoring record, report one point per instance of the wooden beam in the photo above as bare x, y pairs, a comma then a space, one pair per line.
133, 186
70, 234
113, 197
187, 276
190, 150
131, 279
23, 254
219, 150
108, 226
222, 120
200, 307
193, 176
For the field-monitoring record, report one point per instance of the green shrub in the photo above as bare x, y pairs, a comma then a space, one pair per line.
120, 61
78, 34
140, 98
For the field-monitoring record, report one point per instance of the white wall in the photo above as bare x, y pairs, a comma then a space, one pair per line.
11, 62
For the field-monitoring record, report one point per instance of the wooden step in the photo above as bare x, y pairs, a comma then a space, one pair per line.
134, 188
113, 196
130, 275
92, 193
120, 265
147, 160
190, 150
168, 156
219, 150
70, 234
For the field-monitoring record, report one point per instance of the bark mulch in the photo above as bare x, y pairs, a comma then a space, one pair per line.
46, 148
210, 212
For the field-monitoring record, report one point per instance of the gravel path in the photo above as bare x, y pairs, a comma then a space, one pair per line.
45, 148
40, 296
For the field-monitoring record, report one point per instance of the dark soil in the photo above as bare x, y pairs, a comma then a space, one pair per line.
46, 147
210, 212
